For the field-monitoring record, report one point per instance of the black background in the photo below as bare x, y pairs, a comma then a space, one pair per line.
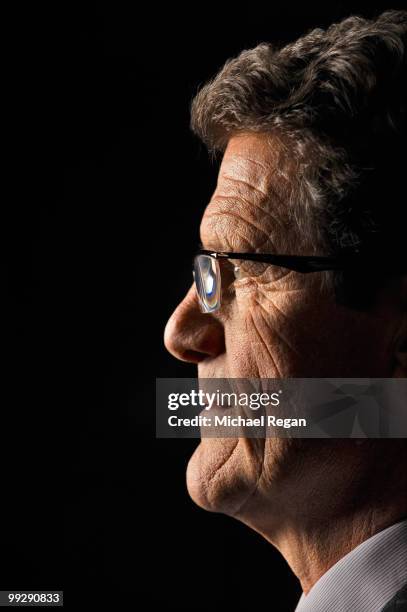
105, 188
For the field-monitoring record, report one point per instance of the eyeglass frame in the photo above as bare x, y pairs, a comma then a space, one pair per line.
298, 263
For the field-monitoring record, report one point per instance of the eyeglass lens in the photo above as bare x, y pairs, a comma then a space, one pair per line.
207, 282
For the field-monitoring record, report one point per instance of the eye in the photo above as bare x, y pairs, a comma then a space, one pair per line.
238, 272
262, 272
242, 269
231, 271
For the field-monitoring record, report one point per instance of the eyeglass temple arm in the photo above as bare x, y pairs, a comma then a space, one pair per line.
299, 263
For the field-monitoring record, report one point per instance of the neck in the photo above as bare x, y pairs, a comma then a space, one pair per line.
311, 553
317, 519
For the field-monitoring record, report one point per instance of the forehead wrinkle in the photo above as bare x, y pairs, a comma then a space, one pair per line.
245, 221
247, 206
258, 200
273, 181
225, 231
243, 172
228, 230
242, 221
252, 225
260, 189
246, 185
256, 209
259, 160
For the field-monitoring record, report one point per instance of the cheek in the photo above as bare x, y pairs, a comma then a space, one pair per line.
264, 337
303, 334
255, 346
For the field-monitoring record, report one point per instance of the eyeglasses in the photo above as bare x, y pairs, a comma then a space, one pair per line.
207, 271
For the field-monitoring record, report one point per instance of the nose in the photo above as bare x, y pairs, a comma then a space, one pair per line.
191, 335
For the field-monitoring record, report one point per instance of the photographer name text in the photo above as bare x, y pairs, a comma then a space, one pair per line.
235, 421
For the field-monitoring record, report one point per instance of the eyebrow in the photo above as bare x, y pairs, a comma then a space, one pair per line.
212, 247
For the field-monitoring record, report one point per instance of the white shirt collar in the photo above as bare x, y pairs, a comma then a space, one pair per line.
365, 579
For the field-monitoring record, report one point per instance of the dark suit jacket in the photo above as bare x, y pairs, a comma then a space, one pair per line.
399, 601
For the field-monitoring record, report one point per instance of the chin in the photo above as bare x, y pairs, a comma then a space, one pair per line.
245, 477
222, 474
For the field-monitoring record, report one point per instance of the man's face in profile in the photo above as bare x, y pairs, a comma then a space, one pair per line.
273, 323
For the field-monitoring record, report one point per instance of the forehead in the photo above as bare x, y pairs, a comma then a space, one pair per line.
248, 209
253, 157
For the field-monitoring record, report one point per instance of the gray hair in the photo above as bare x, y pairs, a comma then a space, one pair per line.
337, 99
